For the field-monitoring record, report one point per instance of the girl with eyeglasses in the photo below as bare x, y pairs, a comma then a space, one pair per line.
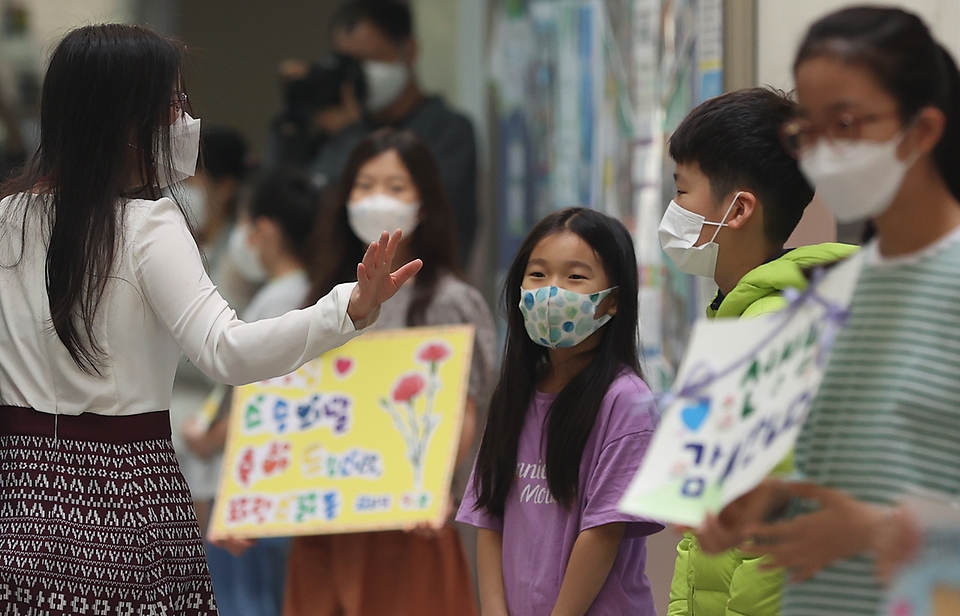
879, 137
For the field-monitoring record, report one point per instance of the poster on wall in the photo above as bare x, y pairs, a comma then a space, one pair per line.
587, 94
363, 438
562, 78
740, 399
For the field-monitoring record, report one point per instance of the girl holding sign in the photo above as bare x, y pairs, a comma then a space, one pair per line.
103, 287
569, 423
878, 134
392, 180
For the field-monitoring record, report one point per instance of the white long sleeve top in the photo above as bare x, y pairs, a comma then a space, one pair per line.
158, 303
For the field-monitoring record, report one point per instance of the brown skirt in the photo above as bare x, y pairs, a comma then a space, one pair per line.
95, 518
390, 573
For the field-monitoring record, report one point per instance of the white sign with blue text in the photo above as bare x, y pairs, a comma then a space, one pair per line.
741, 395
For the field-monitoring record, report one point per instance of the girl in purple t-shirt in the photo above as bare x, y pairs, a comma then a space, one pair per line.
569, 423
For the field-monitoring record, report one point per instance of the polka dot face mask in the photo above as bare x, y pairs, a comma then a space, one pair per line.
559, 319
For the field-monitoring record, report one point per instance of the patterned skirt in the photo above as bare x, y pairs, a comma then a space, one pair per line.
96, 519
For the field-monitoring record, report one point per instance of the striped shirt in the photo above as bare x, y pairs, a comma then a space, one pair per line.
887, 417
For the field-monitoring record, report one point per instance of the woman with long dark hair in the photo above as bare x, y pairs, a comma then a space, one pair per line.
570, 420
101, 288
879, 136
393, 179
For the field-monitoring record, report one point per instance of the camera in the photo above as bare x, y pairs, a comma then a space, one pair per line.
322, 87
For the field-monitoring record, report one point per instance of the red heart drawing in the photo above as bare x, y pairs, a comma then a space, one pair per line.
342, 366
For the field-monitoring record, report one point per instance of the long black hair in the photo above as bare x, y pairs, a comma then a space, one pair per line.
105, 112
574, 411
433, 241
289, 198
897, 48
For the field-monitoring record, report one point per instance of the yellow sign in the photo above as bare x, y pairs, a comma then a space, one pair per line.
363, 438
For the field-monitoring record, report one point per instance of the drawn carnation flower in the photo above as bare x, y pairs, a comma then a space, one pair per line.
409, 387
434, 352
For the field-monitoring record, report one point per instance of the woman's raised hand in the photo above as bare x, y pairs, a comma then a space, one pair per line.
375, 282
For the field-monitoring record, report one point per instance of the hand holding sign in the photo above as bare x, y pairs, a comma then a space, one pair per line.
840, 528
729, 530
742, 394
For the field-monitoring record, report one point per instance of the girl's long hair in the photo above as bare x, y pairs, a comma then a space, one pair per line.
574, 411
288, 197
104, 134
916, 70
338, 249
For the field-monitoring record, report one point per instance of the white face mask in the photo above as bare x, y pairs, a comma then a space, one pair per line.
184, 150
680, 231
244, 256
385, 82
855, 179
371, 216
194, 200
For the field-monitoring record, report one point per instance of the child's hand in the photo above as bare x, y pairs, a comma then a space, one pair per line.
425, 530
194, 432
203, 439
897, 542
841, 528
375, 283
234, 545
726, 531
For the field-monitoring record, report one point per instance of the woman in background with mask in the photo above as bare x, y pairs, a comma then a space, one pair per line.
103, 288
392, 181
212, 198
878, 134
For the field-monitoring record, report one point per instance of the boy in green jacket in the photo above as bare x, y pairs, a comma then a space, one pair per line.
739, 197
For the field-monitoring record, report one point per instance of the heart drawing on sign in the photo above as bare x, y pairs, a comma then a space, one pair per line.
694, 414
342, 367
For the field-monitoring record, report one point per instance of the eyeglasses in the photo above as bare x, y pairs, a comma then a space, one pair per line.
799, 134
178, 103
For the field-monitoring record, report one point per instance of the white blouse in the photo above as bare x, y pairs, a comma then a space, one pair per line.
158, 303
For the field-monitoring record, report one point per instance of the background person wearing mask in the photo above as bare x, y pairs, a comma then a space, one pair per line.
274, 234
379, 33
392, 181
210, 199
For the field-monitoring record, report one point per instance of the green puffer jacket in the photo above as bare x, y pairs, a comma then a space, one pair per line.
731, 584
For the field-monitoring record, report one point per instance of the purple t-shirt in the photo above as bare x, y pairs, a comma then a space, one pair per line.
539, 533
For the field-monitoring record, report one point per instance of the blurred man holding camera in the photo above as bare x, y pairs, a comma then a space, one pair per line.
369, 82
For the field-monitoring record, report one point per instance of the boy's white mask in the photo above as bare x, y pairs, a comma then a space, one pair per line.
680, 231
